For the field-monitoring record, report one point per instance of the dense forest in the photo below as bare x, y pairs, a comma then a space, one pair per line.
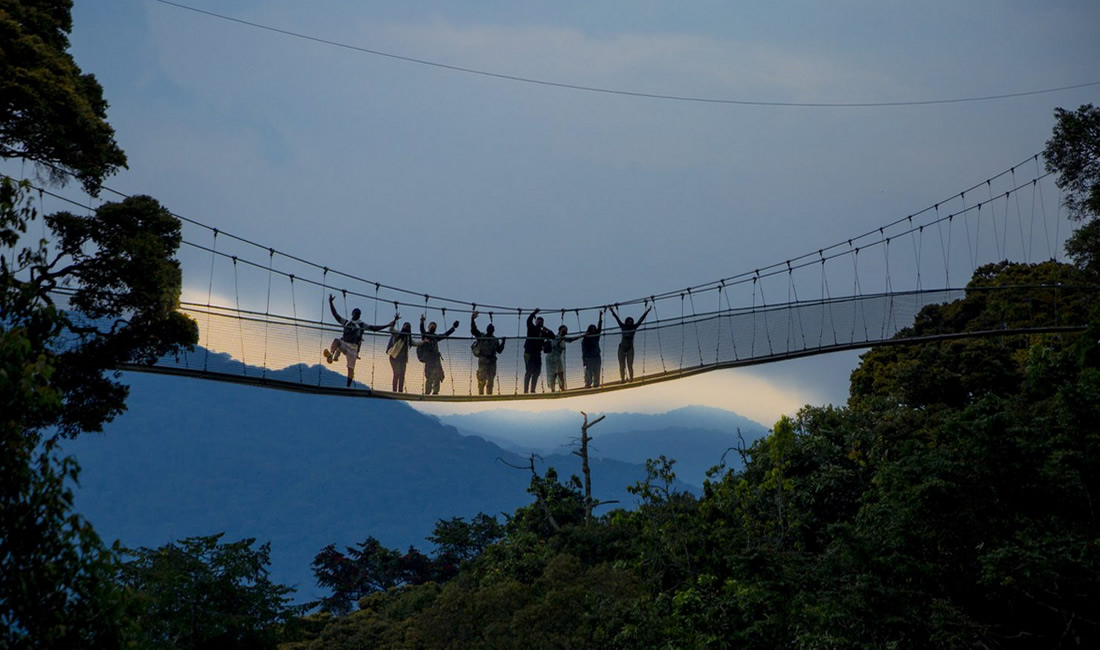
948, 504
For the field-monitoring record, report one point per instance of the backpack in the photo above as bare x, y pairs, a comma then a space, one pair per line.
547, 346
483, 347
422, 353
353, 331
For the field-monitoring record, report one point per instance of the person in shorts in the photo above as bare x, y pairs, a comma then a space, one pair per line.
352, 337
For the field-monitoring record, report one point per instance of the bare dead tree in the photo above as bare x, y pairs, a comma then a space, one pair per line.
589, 503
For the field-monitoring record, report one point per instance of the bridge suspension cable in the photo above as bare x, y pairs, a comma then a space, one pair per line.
235, 339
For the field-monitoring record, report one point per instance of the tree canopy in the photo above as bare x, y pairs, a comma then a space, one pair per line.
52, 112
1073, 153
97, 291
949, 504
201, 592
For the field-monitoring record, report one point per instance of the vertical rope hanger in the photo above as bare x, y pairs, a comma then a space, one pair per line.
1020, 219
496, 373
695, 320
794, 290
240, 327
857, 292
826, 307
718, 311
297, 343
682, 332
888, 315
41, 207
1057, 221
997, 245
374, 338
473, 366
321, 322
767, 329
443, 311
519, 352
267, 309
916, 249
1037, 188
755, 278
977, 239
660, 348
790, 310
944, 252
209, 293
966, 226
733, 330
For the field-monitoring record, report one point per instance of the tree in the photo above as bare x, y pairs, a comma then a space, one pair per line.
52, 112
1073, 152
369, 567
117, 268
202, 593
460, 541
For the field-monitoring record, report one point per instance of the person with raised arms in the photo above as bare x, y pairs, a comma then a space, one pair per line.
352, 337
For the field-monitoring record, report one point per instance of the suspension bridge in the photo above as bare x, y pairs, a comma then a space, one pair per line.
859, 292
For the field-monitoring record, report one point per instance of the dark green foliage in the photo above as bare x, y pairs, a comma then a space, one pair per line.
51, 111
202, 593
54, 381
915, 517
1073, 152
57, 585
459, 540
369, 567
56, 576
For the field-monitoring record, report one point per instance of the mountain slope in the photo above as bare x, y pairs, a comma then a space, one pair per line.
194, 457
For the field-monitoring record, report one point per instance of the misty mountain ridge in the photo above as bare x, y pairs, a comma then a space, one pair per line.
696, 437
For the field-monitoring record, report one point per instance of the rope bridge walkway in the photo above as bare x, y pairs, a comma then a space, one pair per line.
853, 294
667, 349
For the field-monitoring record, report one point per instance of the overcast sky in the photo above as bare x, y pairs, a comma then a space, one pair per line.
516, 193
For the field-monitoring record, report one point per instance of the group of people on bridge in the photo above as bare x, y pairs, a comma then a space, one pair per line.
486, 346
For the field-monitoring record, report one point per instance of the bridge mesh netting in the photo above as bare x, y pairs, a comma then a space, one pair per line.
665, 349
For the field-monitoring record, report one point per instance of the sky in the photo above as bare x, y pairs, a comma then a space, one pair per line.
502, 191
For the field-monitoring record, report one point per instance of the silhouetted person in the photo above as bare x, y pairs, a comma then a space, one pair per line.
555, 358
430, 355
590, 354
348, 344
538, 338
626, 345
485, 347
398, 351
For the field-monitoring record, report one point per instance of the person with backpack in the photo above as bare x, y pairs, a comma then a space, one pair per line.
485, 347
398, 351
428, 352
555, 358
590, 354
352, 337
626, 345
538, 339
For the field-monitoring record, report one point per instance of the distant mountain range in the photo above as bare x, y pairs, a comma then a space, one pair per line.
195, 457
697, 437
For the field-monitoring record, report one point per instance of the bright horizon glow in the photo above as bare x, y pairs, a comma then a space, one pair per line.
736, 390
